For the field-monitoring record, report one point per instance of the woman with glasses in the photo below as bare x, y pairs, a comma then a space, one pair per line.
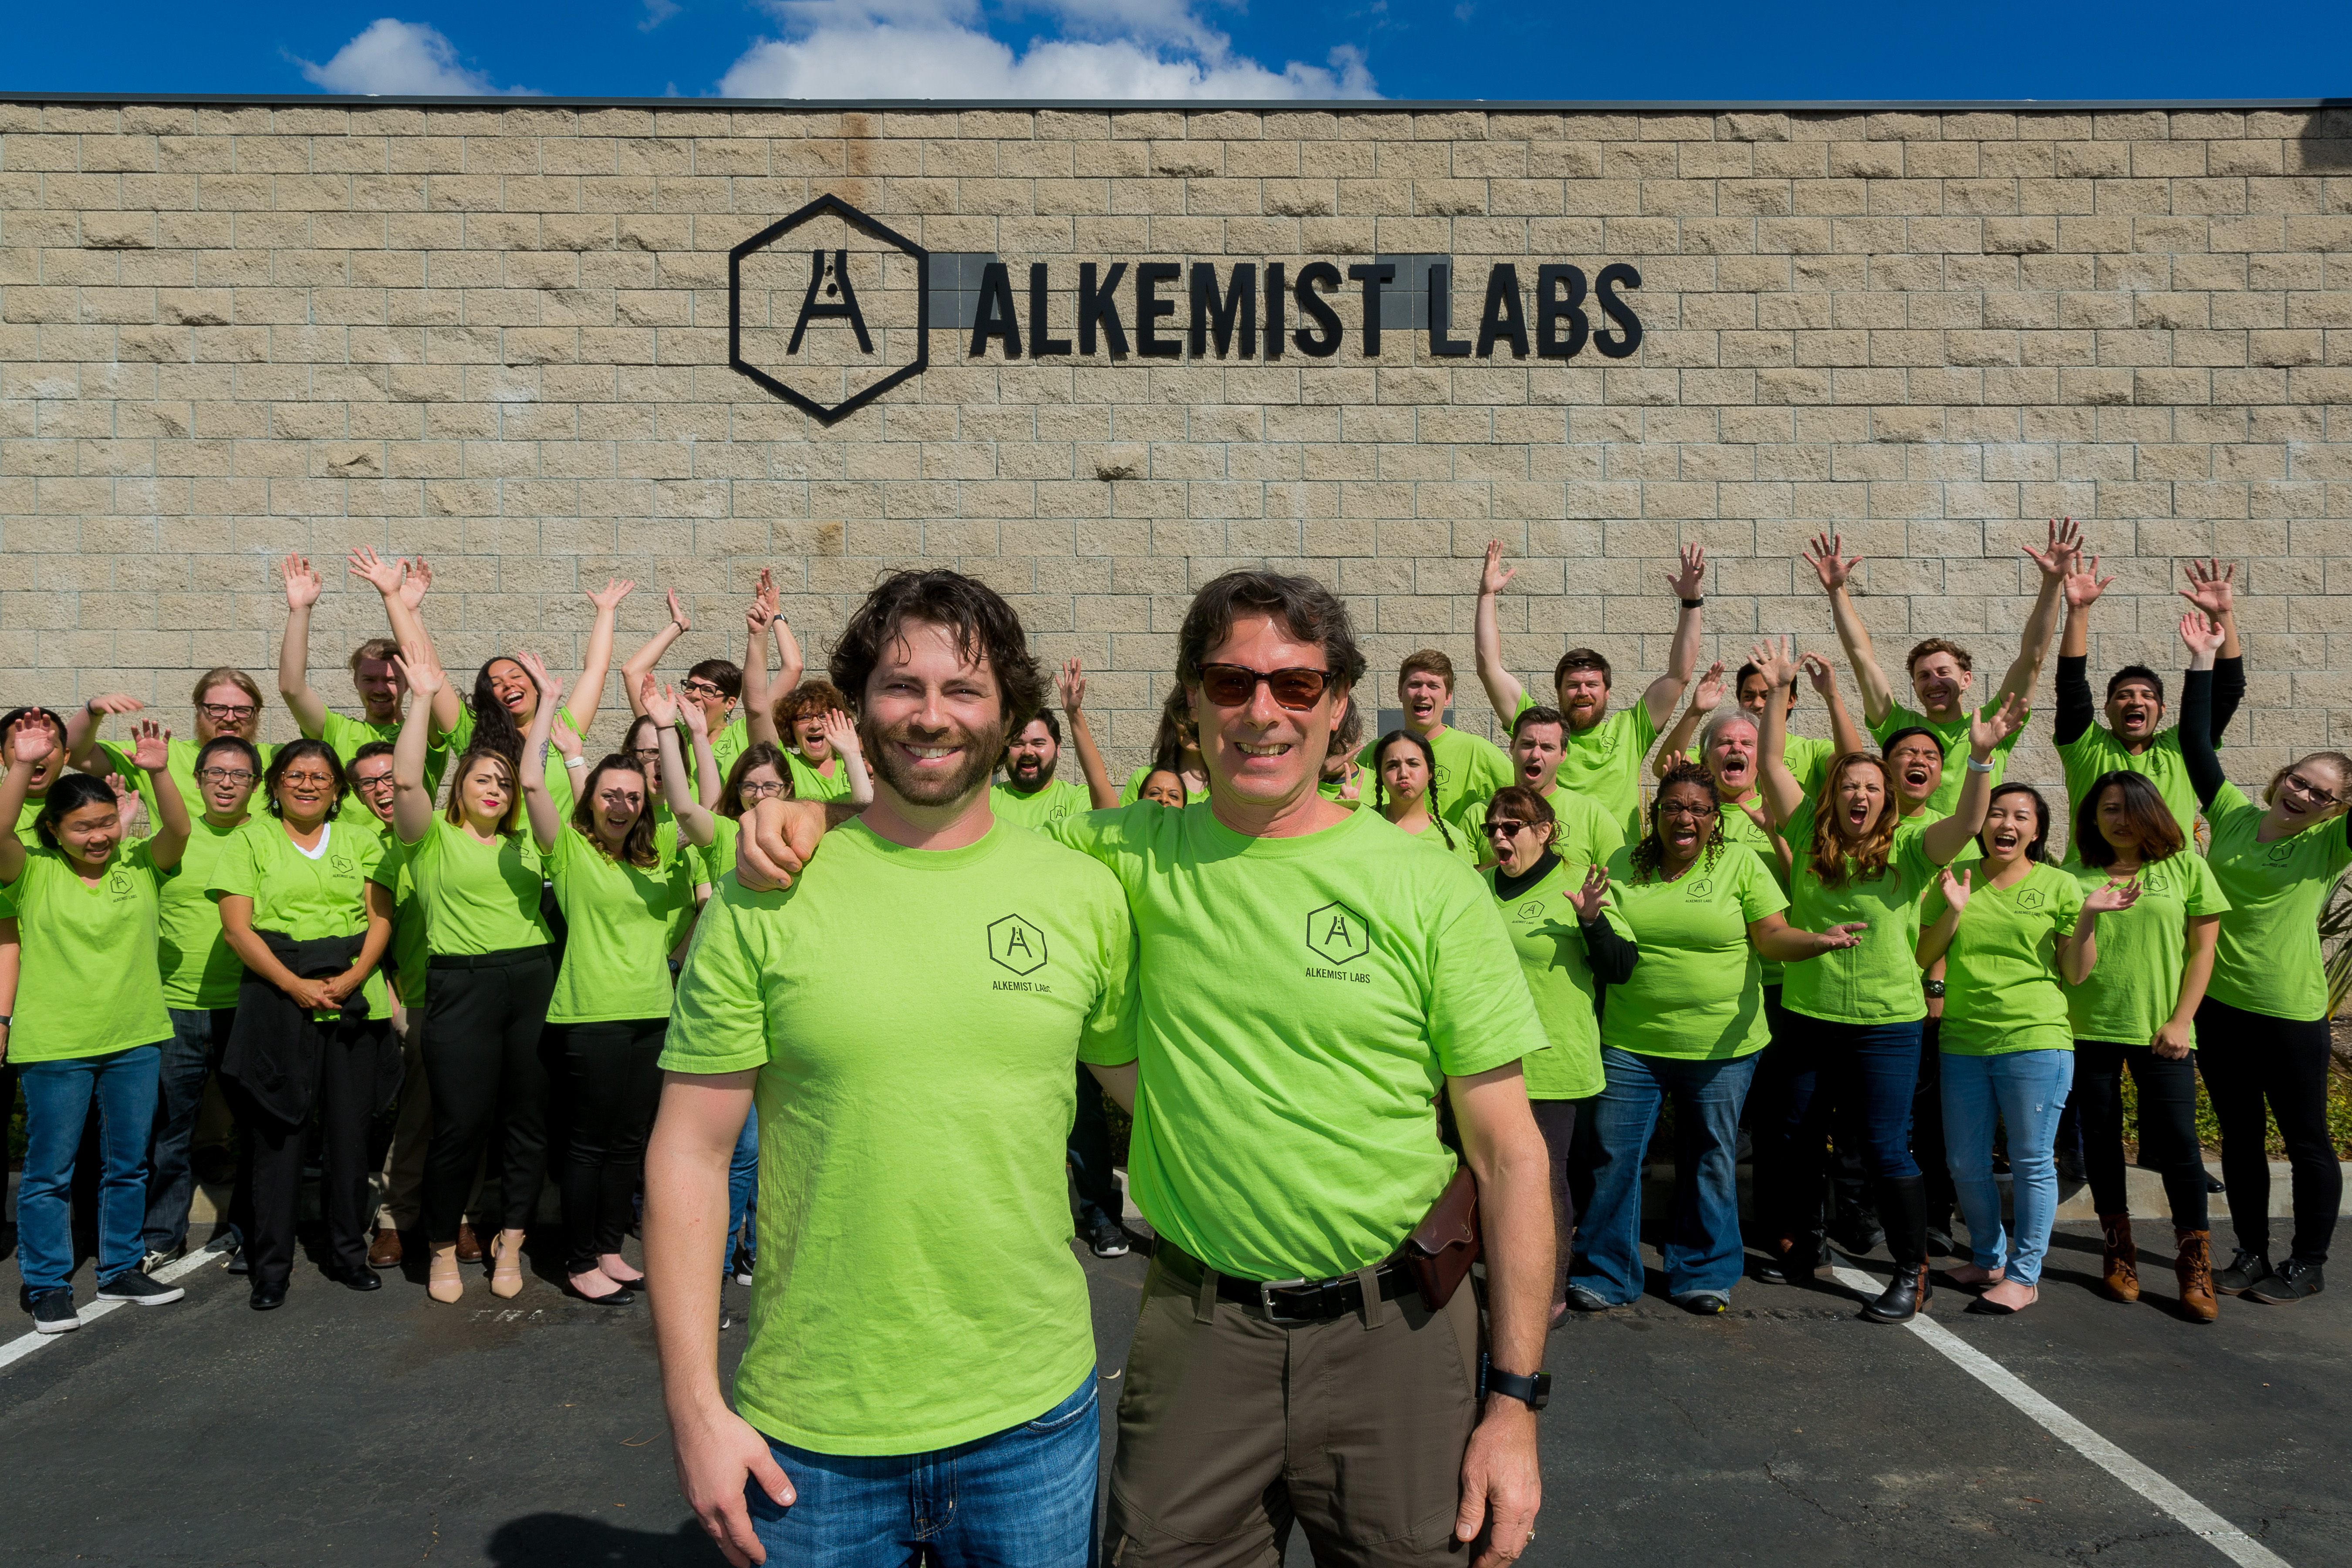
478, 878
1686, 1026
1403, 765
89, 1020
627, 889
1854, 1021
2011, 930
800, 723
1554, 892
313, 1032
641, 747
2263, 1029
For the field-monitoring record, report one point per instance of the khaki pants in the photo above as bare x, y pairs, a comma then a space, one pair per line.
1231, 1428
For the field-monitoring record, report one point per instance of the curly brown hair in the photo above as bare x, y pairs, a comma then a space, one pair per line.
1649, 856
986, 629
809, 700
1833, 861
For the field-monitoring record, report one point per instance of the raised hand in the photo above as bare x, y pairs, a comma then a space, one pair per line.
616, 590
757, 618
765, 591
2212, 587
2119, 894
1986, 733
2203, 637
2082, 588
1495, 575
383, 576
563, 737
1590, 899
840, 733
420, 670
413, 587
114, 702
550, 689
151, 745
2065, 546
660, 702
1690, 582
1955, 887
34, 740
1776, 659
697, 721
678, 615
1819, 671
1826, 556
1070, 686
301, 582
1706, 696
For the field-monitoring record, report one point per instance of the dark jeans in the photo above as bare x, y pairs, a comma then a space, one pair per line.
483, 1016
189, 1057
1813, 1073
2250, 1059
1928, 1131
1089, 1151
1702, 1249
1557, 1121
343, 1104
608, 1079
2167, 1125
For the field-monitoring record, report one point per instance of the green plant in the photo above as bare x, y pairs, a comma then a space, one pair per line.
2335, 927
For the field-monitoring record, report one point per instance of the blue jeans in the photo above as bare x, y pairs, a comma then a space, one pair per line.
1021, 1497
198, 1037
1702, 1250
1813, 1070
2027, 1089
743, 1193
56, 1107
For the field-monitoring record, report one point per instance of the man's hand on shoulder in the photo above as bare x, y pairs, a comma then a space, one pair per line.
778, 838
716, 1451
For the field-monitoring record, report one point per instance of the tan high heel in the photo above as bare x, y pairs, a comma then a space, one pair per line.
506, 1275
445, 1284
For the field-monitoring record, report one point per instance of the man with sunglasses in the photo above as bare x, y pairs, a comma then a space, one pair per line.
1310, 977
1604, 751
374, 675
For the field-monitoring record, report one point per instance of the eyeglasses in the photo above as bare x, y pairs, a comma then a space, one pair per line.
317, 781
2305, 786
697, 687
1233, 685
759, 791
1506, 829
225, 775
1697, 813
227, 712
645, 753
382, 781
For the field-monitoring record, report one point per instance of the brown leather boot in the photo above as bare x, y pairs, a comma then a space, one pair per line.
2119, 1261
469, 1246
2192, 1265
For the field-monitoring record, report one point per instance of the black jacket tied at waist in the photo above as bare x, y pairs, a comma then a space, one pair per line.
277, 1047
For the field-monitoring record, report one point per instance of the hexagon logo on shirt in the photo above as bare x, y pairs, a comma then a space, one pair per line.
1338, 934
2029, 899
1016, 944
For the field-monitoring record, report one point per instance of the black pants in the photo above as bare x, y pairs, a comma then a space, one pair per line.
344, 1105
608, 1079
483, 1017
1927, 1131
1097, 1189
2167, 1125
2250, 1059
1555, 1118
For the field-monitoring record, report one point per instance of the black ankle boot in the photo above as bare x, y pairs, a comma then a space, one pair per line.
1903, 1204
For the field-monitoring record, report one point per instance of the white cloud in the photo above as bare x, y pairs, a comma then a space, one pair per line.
656, 13
405, 57
937, 49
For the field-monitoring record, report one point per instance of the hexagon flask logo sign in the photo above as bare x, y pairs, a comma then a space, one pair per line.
827, 308
1016, 944
1338, 934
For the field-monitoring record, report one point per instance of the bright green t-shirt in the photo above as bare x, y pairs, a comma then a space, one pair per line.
1448, 839
810, 784
559, 776
1550, 948
199, 969
2267, 958
1954, 738
1058, 799
345, 735
1469, 767
304, 896
90, 985
181, 767
942, 996
1304, 1000
1739, 827
1698, 992
719, 858
732, 741
2001, 976
2135, 984
2096, 751
1605, 762
478, 898
409, 956
620, 922
1877, 981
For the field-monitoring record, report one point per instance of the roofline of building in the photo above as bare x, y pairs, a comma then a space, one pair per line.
1094, 105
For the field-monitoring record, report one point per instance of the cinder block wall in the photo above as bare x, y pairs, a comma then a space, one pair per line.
496, 335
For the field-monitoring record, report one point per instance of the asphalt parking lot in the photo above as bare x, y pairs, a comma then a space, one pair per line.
383, 1429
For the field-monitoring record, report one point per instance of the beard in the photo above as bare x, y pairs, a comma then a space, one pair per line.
1030, 774
980, 751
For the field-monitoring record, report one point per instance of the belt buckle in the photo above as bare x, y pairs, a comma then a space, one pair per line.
1265, 1290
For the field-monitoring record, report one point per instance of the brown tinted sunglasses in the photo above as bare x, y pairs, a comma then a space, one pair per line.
1233, 685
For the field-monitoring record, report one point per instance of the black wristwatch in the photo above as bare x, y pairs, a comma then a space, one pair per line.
1934, 987
1535, 1391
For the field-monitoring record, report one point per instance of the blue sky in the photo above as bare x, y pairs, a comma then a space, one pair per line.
1180, 49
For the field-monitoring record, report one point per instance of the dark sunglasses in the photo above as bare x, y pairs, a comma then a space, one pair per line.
1508, 829
1232, 686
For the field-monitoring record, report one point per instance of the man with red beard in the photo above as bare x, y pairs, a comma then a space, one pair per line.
920, 1377
1605, 751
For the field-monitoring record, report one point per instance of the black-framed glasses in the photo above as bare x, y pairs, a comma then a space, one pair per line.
382, 781
316, 780
225, 775
2305, 786
697, 686
1233, 685
759, 791
1504, 828
227, 712
1677, 808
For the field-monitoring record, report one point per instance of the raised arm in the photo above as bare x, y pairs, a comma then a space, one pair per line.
152, 750
1705, 697
1503, 688
757, 698
546, 822
1935, 936
2205, 776
2076, 711
1689, 585
33, 739
589, 693
302, 699
1826, 556
1777, 661
2079, 954
403, 585
710, 783
841, 735
695, 823
790, 666
1942, 840
640, 664
2212, 588
412, 802
2057, 563
1072, 689
1844, 734
81, 730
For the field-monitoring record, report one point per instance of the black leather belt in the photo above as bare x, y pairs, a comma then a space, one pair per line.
1292, 1300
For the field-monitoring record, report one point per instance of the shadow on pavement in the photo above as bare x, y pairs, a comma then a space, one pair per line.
569, 1540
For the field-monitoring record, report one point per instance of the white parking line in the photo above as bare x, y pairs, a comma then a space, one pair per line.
2227, 1538
23, 1345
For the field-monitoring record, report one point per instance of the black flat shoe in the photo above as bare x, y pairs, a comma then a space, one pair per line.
1984, 1308
267, 1298
359, 1279
623, 1297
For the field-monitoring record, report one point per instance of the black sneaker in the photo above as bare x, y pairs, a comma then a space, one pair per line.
1702, 1303
54, 1313
1583, 1300
2290, 1281
1107, 1239
137, 1288
2245, 1268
